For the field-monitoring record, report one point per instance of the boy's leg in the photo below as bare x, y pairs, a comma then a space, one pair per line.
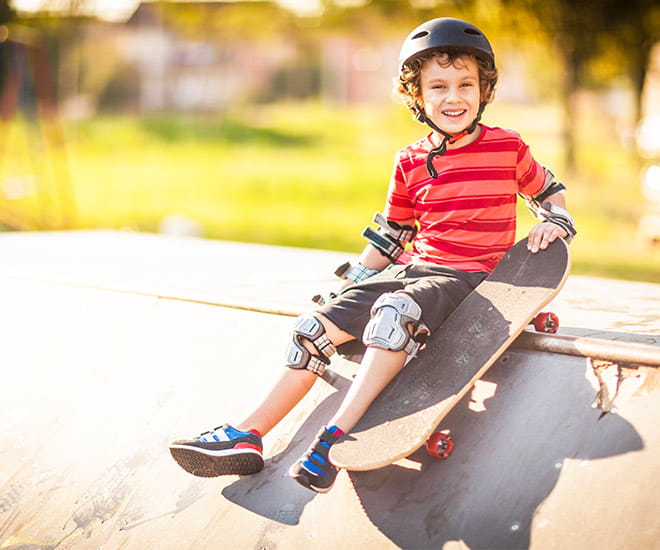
440, 294
238, 450
285, 392
393, 334
289, 388
378, 368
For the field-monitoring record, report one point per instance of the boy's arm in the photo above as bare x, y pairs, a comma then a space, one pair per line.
372, 260
382, 250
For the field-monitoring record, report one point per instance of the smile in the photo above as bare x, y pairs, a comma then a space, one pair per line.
456, 113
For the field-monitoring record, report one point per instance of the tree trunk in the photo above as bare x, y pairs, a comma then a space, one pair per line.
568, 97
638, 73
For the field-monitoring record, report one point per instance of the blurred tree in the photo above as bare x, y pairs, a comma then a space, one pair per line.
6, 12
259, 20
580, 32
572, 28
388, 16
6, 15
632, 29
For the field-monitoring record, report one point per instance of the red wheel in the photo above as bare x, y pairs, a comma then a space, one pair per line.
546, 322
440, 444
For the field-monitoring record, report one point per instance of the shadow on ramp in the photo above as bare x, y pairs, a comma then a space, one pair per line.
273, 494
506, 461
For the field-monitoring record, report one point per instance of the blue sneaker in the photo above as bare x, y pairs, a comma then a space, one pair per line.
223, 451
314, 470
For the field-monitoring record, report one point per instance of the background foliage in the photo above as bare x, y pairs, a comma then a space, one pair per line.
288, 167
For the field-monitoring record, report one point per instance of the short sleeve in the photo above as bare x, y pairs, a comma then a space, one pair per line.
529, 173
399, 206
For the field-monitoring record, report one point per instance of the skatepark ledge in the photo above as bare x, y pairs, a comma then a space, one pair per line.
117, 343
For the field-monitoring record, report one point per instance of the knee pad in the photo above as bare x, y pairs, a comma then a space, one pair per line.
396, 324
309, 328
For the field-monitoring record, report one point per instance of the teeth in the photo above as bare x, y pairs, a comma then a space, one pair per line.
454, 113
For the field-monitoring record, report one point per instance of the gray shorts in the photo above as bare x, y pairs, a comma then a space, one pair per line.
437, 290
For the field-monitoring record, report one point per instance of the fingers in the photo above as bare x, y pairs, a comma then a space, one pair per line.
542, 234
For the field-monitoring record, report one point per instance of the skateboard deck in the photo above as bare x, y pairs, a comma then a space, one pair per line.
470, 340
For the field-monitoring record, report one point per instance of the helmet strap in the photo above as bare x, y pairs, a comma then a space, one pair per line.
447, 138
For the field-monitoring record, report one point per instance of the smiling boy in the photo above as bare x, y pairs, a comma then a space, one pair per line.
450, 216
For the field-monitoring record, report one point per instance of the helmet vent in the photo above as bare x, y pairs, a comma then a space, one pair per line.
420, 35
472, 31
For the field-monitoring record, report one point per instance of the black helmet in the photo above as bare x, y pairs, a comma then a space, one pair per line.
445, 32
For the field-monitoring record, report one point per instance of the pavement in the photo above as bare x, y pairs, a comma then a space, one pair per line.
117, 343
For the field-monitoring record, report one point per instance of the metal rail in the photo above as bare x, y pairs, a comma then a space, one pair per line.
595, 348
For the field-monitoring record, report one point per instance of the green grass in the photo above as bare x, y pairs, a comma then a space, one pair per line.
310, 176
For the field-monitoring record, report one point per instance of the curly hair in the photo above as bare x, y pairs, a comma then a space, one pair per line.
408, 85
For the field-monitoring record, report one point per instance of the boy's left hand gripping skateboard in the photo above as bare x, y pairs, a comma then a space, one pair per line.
406, 413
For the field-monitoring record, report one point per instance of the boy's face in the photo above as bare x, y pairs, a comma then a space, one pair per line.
450, 93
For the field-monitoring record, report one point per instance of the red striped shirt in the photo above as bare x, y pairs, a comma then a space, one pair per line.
467, 216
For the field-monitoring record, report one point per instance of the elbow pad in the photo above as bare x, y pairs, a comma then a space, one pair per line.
550, 187
391, 238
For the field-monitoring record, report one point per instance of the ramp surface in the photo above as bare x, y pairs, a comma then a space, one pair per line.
114, 346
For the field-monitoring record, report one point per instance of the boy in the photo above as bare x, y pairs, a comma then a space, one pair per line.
452, 197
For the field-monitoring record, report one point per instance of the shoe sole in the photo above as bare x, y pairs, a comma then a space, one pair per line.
202, 464
304, 481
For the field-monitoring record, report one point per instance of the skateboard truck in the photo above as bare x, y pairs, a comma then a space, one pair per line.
546, 321
440, 444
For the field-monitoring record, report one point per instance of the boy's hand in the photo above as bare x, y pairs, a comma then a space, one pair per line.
542, 234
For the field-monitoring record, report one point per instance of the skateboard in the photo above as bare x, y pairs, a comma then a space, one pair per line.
407, 412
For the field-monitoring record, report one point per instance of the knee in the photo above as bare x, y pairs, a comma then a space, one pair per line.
309, 346
396, 324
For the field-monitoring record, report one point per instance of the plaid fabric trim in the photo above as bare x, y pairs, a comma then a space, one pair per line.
357, 273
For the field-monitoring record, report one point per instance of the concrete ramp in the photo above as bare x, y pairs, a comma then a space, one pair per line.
100, 374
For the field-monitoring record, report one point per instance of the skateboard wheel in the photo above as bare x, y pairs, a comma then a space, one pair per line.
546, 322
440, 444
